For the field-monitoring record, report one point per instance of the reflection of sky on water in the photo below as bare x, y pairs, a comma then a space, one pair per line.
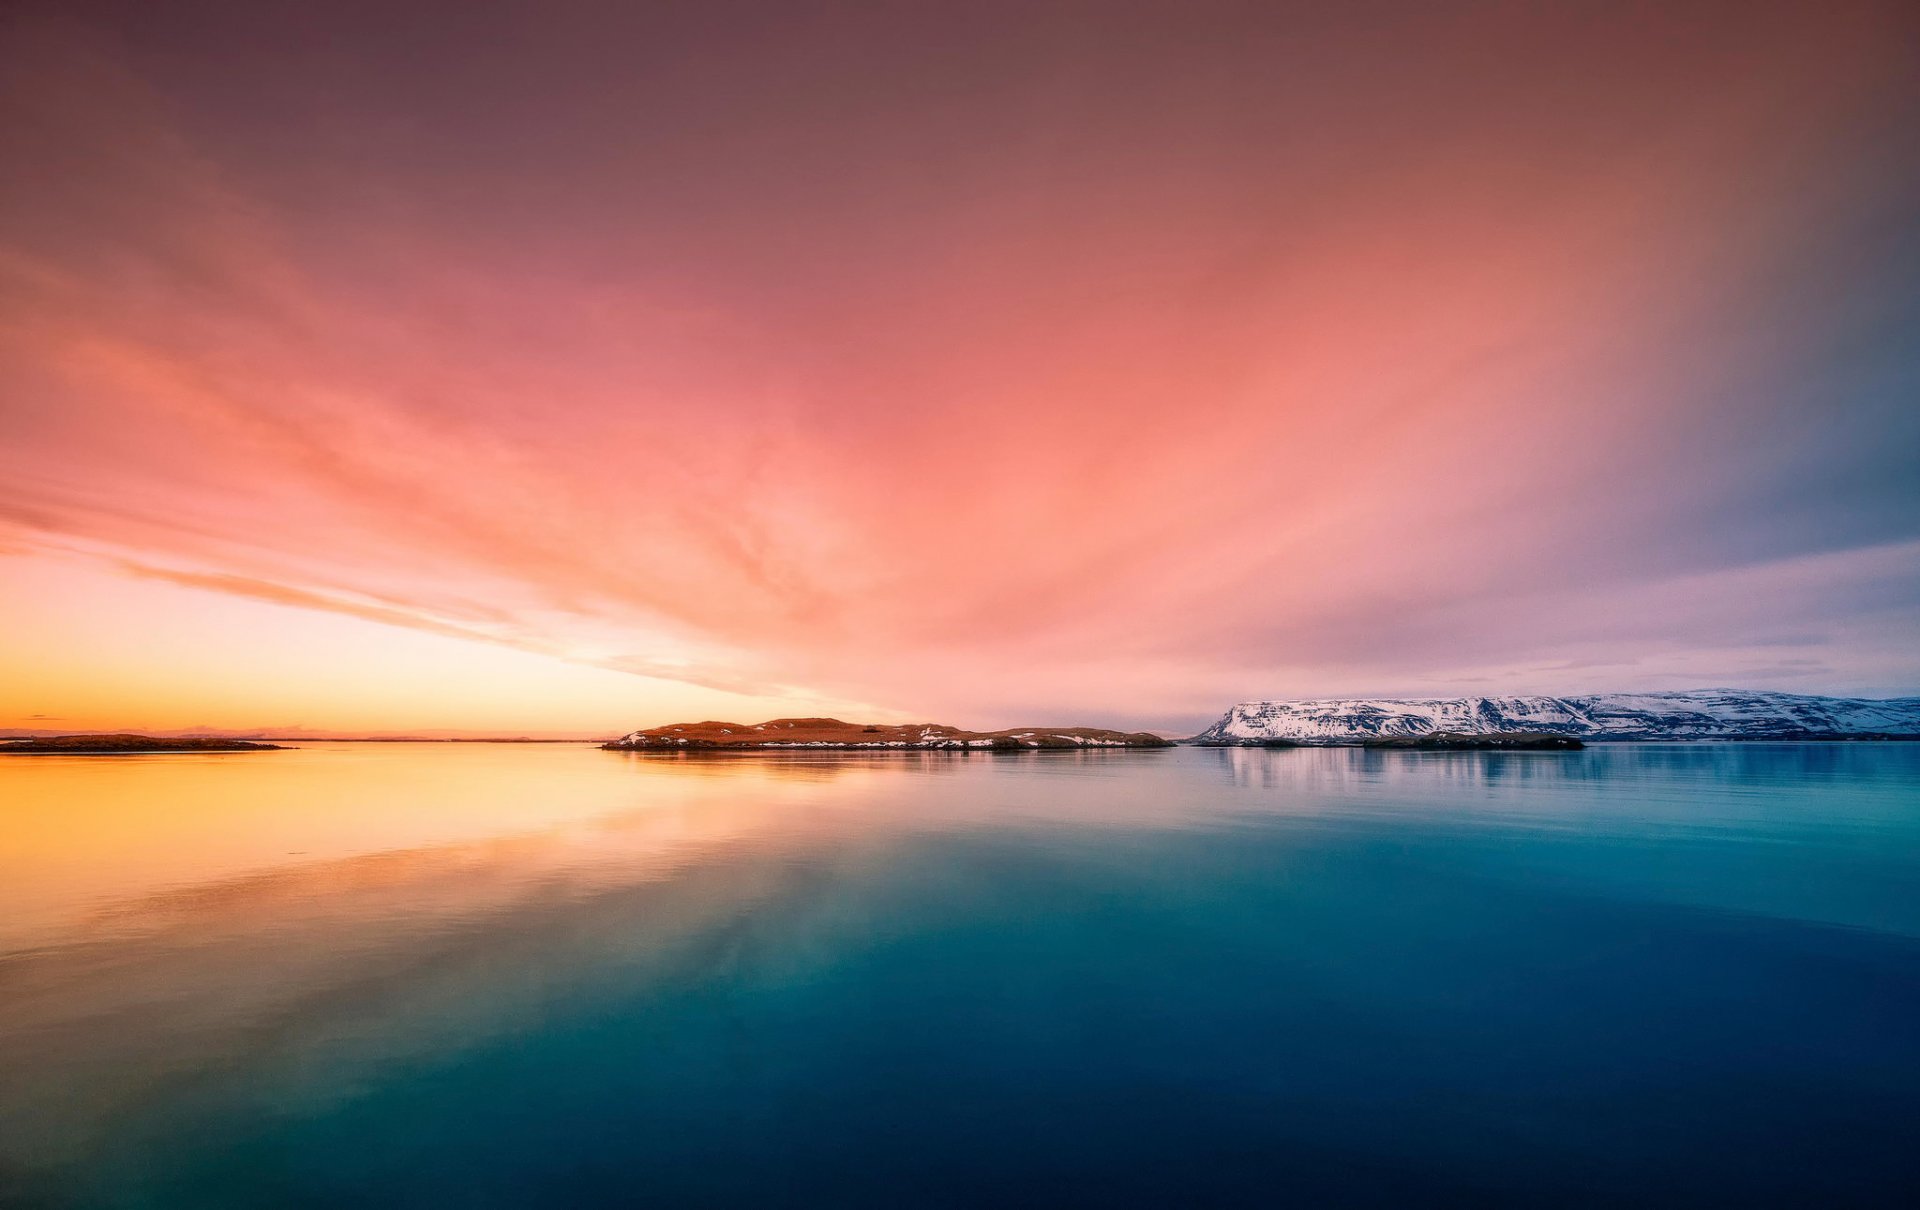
269, 937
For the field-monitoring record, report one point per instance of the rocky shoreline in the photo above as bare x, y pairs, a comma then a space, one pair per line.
1439, 741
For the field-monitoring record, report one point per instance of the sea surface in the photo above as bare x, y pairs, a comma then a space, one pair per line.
477, 975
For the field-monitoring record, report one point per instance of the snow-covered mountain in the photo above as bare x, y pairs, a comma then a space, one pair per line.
1693, 714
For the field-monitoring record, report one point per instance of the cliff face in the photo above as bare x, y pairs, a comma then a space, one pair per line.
830, 733
1695, 714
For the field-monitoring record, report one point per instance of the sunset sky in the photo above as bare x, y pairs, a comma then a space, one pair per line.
568, 368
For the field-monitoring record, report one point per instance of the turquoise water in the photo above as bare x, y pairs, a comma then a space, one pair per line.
546, 975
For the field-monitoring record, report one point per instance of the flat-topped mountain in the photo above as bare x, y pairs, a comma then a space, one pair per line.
1693, 714
832, 733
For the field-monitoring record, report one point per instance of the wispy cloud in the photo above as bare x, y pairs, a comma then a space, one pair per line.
1164, 400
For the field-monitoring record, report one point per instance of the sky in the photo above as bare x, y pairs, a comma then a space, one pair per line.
567, 368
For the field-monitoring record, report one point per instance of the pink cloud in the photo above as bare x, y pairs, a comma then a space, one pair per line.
1168, 395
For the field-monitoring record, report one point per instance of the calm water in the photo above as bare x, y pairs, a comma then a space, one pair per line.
468, 975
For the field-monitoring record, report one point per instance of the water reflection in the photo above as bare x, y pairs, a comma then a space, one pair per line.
1768, 764
194, 942
832, 765
295, 986
200, 948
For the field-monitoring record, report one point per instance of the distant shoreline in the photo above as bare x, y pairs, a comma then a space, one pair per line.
272, 741
128, 745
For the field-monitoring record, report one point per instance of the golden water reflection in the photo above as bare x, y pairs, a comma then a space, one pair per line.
169, 921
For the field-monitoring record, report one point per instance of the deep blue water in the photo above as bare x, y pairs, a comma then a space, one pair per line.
1634, 975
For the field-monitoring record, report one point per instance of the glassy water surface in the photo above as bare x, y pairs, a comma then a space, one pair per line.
507, 975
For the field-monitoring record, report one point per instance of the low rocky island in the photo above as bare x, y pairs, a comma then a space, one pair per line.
833, 734
128, 745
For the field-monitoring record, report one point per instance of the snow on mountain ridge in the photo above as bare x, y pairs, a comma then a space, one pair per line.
1688, 714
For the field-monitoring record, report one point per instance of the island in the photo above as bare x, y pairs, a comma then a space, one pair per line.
833, 734
129, 745
1667, 715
